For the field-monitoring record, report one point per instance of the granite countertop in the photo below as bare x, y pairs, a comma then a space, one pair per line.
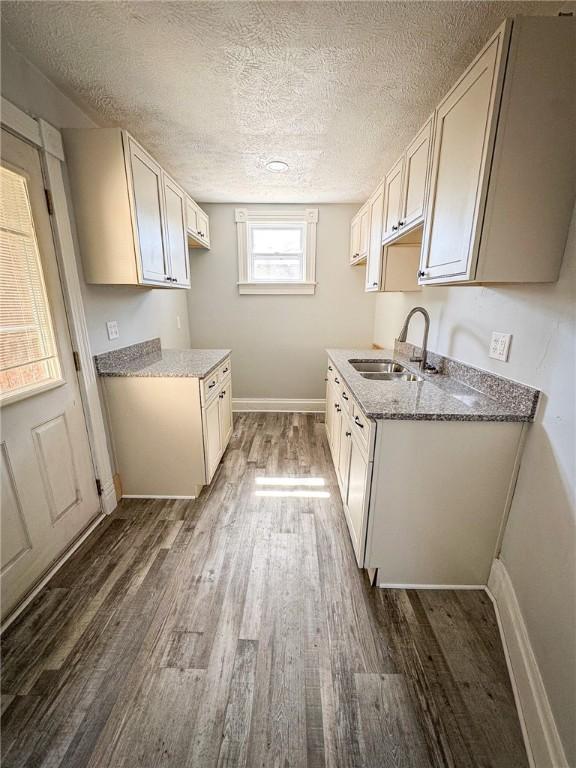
475, 395
149, 359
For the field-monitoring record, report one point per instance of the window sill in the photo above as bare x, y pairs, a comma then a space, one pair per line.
304, 287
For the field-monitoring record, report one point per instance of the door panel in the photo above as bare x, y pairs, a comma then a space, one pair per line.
343, 466
374, 264
147, 189
357, 499
463, 126
225, 415
415, 175
364, 232
212, 437
48, 485
176, 232
392, 199
355, 238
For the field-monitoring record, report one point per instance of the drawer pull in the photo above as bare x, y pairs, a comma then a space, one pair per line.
212, 385
344, 395
348, 434
337, 381
225, 370
330, 368
358, 422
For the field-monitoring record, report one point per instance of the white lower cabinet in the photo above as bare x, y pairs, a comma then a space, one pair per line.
169, 433
425, 501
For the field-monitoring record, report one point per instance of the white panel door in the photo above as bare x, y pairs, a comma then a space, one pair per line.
225, 414
343, 466
212, 445
48, 484
176, 239
364, 231
357, 499
148, 210
459, 172
415, 176
355, 238
392, 200
202, 225
374, 263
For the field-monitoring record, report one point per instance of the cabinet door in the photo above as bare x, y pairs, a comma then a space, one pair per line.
329, 415
225, 415
335, 432
202, 225
357, 499
148, 210
355, 238
191, 224
364, 231
176, 232
344, 455
415, 177
212, 444
392, 199
374, 263
460, 166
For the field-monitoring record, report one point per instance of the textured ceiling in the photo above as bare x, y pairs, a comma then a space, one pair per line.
217, 89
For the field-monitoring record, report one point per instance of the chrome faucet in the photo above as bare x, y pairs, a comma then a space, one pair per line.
404, 332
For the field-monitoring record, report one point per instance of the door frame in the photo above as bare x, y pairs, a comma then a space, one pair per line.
48, 140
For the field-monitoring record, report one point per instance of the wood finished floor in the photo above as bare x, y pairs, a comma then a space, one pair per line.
236, 630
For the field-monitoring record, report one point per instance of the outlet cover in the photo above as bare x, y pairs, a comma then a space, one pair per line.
112, 327
500, 346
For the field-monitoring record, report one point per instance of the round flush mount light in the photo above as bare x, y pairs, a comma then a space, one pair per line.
277, 166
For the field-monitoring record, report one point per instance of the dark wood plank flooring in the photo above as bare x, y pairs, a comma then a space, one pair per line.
236, 630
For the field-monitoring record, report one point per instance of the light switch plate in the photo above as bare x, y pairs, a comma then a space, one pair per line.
500, 346
112, 327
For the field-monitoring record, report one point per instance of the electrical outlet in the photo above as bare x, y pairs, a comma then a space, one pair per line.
112, 327
500, 346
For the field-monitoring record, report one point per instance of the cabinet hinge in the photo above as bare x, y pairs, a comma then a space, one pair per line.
77, 363
49, 202
98, 487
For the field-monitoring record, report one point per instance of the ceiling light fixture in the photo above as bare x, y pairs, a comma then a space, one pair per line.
277, 166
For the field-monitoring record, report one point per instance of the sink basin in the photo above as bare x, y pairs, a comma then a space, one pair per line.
390, 376
377, 366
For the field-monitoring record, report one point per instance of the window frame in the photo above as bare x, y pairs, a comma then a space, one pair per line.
246, 220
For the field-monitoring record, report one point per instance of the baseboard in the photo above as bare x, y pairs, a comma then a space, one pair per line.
45, 578
383, 585
256, 404
151, 496
542, 739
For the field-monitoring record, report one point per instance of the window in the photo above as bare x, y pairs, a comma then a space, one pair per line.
276, 250
28, 357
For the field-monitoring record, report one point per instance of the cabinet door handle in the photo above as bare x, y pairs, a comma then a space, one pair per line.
394, 227
222, 394
421, 273
374, 285
325, 379
167, 277
348, 434
338, 408
330, 368
401, 223
225, 370
336, 381
358, 422
344, 395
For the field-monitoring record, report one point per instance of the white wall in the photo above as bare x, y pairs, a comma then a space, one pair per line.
141, 313
278, 342
539, 548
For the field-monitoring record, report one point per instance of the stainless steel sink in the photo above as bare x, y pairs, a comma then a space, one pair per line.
390, 376
377, 366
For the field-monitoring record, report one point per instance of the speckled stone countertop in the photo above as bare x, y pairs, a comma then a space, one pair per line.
149, 359
439, 396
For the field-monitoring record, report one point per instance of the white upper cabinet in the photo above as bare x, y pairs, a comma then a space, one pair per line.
504, 160
360, 235
131, 215
374, 263
147, 198
416, 164
463, 131
393, 200
198, 225
175, 201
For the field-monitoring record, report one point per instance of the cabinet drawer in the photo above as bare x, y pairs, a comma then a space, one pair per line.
209, 387
345, 398
362, 427
225, 370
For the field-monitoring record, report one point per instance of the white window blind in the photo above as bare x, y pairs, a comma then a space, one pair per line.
28, 354
277, 252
